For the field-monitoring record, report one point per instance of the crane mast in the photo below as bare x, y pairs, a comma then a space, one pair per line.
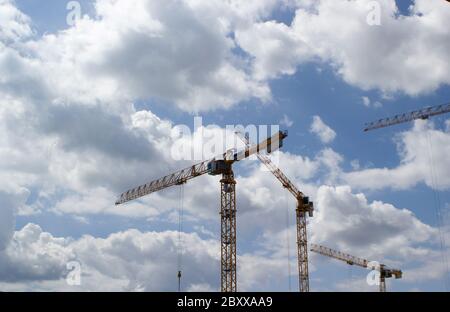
221, 165
385, 272
228, 230
424, 113
304, 207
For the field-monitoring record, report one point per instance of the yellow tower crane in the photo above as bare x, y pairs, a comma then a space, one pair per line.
221, 165
304, 208
385, 272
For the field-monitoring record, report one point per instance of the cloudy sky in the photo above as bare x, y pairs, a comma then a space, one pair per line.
90, 106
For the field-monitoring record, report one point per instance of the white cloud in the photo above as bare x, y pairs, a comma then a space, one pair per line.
218, 78
175, 51
331, 161
433, 265
392, 57
360, 284
85, 144
13, 23
286, 121
71, 93
101, 201
34, 255
128, 261
257, 273
115, 147
276, 48
346, 219
368, 102
416, 148
355, 164
132, 260
11, 198
374, 230
324, 132
377, 104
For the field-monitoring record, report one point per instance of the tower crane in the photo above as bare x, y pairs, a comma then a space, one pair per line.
423, 113
220, 165
304, 207
385, 272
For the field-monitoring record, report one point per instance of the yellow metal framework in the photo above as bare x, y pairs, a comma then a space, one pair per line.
228, 233
304, 208
385, 272
302, 248
219, 165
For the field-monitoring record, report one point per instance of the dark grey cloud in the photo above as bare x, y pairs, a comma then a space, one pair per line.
20, 77
83, 128
32, 255
170, 63
7, 212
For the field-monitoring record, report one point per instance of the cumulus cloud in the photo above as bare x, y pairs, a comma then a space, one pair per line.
128, 261
81, 138
367, 102
276, 48
101, 201
34, 255
175, 51
7, 220
132, 259
423, 152
349, 222
99, 146
148, 260
11, 198
324, 132
392, 57
286, 121
13, 23
148, 59
71, 95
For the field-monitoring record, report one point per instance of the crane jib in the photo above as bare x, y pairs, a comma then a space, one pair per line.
423, 114
270, 145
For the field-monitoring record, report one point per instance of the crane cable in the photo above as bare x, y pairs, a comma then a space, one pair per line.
180, 240
288, 245
438, 212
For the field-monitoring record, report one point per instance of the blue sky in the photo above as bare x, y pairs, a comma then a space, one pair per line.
329, 81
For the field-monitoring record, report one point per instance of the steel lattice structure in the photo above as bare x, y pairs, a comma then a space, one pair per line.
385, 272
221, 165
304, 207
302, 246
424, 113
228, 230
176, 178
